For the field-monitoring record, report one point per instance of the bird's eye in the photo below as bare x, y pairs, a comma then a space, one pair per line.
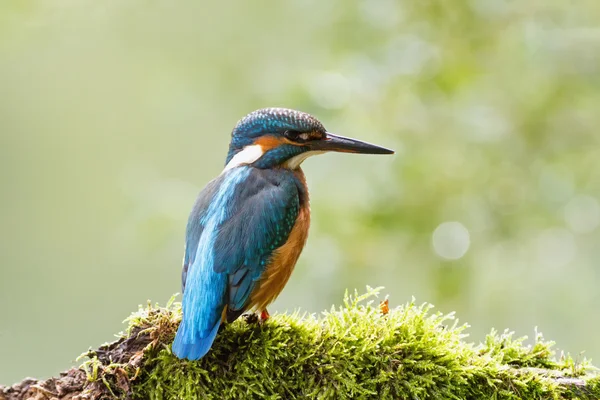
298, 137
292, 135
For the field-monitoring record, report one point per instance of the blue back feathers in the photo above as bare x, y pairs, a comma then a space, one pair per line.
200, 323
269, 204
237, 222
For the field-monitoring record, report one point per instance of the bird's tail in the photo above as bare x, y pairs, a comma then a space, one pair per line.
195, 348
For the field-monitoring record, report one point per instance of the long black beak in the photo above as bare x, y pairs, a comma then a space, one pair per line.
342, 144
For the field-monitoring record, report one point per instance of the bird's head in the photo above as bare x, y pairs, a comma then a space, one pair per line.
279, 137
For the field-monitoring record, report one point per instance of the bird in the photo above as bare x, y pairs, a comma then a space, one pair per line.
249, 225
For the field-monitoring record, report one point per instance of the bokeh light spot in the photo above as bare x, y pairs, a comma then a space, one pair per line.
451, 240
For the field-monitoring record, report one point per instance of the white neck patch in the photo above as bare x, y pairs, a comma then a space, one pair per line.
252, 153
295, 161
247, 156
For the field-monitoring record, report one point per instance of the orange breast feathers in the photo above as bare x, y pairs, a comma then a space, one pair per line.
282, 263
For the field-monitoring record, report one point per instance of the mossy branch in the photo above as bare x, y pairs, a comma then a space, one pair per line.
361, 350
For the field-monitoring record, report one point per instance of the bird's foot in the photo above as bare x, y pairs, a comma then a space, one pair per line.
264, 315
254, 318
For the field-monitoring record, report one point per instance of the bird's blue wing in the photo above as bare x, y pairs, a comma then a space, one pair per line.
269, 206
204, 290
237, 222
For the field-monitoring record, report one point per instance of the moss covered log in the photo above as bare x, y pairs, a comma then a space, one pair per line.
361, 350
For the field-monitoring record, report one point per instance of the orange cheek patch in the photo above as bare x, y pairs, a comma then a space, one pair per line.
268, 142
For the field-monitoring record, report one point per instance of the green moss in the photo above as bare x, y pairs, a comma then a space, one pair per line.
355, 352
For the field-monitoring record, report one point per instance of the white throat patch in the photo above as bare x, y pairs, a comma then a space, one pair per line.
252, 153
295, 161
247, 156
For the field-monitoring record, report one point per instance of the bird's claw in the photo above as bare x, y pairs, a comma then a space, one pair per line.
264, 315
254, 318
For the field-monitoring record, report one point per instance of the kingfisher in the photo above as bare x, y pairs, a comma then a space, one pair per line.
249, 225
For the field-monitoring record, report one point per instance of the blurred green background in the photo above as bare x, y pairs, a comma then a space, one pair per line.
114, 114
